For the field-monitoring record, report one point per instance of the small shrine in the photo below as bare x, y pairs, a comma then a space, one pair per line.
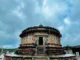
40, 43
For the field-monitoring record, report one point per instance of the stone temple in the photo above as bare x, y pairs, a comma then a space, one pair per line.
40, 43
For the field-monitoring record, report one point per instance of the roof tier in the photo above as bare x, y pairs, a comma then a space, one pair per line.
40, 28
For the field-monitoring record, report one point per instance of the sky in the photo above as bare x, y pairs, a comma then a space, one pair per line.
17, 15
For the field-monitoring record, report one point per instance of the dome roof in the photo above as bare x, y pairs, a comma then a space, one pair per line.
40, 28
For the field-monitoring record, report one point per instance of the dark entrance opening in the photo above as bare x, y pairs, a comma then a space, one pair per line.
40, 41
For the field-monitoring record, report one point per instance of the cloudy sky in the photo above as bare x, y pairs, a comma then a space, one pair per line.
16, 15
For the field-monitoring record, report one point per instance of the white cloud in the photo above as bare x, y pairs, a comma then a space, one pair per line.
47, 12
67, 21
44, 2
22, 5
18, 12
51, 9
9, 46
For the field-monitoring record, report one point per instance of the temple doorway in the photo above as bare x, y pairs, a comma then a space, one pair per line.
40, 46
40, 41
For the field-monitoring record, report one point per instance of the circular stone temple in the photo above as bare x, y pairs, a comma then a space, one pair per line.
40, 40
40, 43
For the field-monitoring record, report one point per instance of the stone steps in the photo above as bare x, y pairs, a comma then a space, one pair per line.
41, 58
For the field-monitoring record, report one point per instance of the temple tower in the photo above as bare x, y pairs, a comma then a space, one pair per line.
40, 40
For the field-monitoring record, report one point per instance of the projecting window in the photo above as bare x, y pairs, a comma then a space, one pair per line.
40, 41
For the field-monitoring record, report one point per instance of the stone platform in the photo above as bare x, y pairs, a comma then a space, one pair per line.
39, 57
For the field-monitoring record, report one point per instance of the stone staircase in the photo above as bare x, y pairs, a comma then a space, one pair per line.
41, 58
41, 54
40, 51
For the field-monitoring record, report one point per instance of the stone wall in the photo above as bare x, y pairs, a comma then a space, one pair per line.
47, 38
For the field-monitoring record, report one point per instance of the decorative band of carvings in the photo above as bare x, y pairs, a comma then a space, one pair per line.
53, 44
27, 44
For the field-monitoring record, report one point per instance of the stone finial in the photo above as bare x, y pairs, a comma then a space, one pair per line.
40, 25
